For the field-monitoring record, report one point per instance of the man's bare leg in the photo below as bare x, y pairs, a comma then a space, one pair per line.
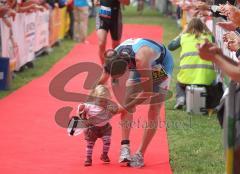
115, 43
102, 40
137, 159
152, 125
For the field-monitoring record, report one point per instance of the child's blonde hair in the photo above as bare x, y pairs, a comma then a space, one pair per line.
101, 91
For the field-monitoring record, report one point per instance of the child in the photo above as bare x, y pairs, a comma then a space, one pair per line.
99, 112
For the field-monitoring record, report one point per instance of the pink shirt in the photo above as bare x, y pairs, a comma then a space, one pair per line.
94, 111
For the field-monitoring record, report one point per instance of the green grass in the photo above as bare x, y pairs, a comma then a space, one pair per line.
195, 142
196, 145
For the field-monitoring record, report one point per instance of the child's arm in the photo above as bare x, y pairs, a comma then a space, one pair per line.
113, 109
118, 109
81, 111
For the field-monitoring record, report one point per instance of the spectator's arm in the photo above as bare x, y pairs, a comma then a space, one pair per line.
227, 66
125, 2
231, 12
211, 52
3, 11
228, 25
30, 6
175, 44
7, 23
235, 16
7, 12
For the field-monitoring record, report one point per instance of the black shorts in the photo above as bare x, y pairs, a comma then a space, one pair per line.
95, 132
113, 24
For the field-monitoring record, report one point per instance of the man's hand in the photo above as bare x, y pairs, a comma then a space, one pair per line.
126, 109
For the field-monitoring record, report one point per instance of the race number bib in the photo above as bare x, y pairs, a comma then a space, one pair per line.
105, 12
159, 74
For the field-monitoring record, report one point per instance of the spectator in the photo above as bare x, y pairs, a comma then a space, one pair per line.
140, 6
69, 4
109, 22
80, 20
109, 18
211, 52
193, 70
52, 3
6, 12
232, 40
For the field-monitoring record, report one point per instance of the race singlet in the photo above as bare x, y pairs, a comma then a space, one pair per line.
105, 12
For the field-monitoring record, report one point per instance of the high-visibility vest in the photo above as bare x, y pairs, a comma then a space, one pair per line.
193, 69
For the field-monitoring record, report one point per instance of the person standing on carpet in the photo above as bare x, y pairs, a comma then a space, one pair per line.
80, 20
98, 113
109, 19
150, 67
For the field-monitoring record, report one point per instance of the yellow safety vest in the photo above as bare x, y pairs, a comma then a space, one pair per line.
193, 69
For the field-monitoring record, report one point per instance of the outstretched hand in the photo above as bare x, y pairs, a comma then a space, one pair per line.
208, 50
228, 25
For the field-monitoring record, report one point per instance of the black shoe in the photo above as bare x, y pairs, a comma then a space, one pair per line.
88, 162
30, 65
179, 106
105, 158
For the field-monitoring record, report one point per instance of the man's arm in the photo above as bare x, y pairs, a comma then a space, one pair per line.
143, 67
103, 79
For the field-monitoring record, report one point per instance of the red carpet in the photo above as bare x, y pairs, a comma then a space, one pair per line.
32, 142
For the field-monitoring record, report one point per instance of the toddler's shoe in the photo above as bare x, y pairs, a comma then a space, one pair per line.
105, 158
88, 162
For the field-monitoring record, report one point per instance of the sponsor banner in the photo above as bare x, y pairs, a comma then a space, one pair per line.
19, 38
54, 26
11, 42
42, 30
64, 22
30, 35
